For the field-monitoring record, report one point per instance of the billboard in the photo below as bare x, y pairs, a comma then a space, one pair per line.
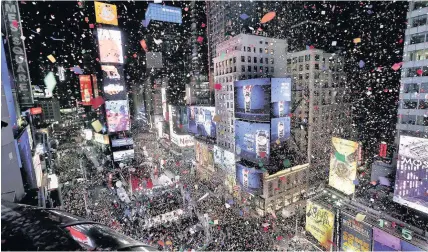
117, 115
27, 159
85, 89
38, 169
105, 13
320, 223
383, 241
249, 178
343, 165
252, 141
280, 129
252, 99
355, 235
95, 85
100, 138
178, 126
123, 155
122, 142
224, 159
164, 105
201, 121
163, 13
110, 45
35, 111
281, 90
204, 155
411, 184
113, 82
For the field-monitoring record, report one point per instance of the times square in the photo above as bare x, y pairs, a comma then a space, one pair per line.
214, 125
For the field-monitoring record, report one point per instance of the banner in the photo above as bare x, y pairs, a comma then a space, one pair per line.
320, 223
106, 13
343, 165
355, 236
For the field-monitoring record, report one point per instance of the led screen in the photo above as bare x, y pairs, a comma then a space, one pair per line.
117, 115
281, 89
163, 13
201, 121
179, 126
122, 142
355, 235
224, 159
113, 83
252, 141
252, 99
105, 13
85, 89
250, 179
280, 130
204, 155
123, 155
110, 46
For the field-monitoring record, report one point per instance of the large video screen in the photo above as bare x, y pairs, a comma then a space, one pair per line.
280, 130
355, 235
224, 159
201, 121
252, 99
110, 45
180, 124
252, 141
86, 89
411, 185
117, 115
164, 13
123, 155
250, 179
281, 89
113, 82
204, 155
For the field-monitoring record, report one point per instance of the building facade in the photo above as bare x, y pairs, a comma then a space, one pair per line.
50, 109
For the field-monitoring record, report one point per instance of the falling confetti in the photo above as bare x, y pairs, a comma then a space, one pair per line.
268, 17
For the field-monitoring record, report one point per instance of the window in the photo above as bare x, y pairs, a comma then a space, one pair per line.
307, 76
422, 121
261, 42
254, 49
288, 69
266, 51
317, 66
266, 69
255, 68
249, 68
418, 55
317, 57
245, 49
420, 4
307, 66
260, 50
307, 57
423, 104
234, 59
255, 59
248, 49
410, 104
300, 67
261, 69
300, 58
271, 61
266, 43
418, 21
242, 58
234, 69
272, 70
271, 51
424, 88
294, 60
288, 61
417, 38
242, 68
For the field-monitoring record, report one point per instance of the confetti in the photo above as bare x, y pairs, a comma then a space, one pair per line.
397, 66
51, 58
360, 217
50, 81
357, 40
268, 17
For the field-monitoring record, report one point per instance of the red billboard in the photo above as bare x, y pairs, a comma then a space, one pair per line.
95, 84
86, 89
35, 111
382, 149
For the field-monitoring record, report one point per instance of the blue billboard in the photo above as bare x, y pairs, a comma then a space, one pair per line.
384, 241
252, 99
280, 129
281, 109
281, 89
201, 121
355, 236
252, 141
27, 158
249, 178
163, 13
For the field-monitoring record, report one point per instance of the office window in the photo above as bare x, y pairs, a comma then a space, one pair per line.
248, 49
267, 69
317, 67
266, 43
300, 58
420, 4
242, 68
271, 69
249, 59
307, 66
261, 69
418, 21
254, 49
307, 57
242, 58
417, 38
266, 51
294, 60
300, 67
271, 61
261, 42
307, 76
234, 59
288, 61
255, 59
255, 68
271, 51
245, 49
234, 69
317, 57
260, 50
249, 68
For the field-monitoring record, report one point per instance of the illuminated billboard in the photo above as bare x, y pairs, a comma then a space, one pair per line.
122, 142
163, 13
343, 165
224, 159
355, 235
164, 105
110, 45
123, 155
411, 184
252, 141
102, 139
280, 130
281, 89
383, 241
249, 178
113, 82
201, 121
320, 223
252, 99
105, 13
204, 155
178, 126
85, 89
117, 115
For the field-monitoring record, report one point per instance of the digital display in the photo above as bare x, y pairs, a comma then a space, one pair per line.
225, 160
281, 89
320, 224
110, 45
27, 160
356, 235
252, 99
122, 142
249, 178
123, 155
113, 82
280, 130
411, 183
201, 121
163, 13
86, 89
204, 155
252, 141
106, 13
281, 109
117, 115
178, 122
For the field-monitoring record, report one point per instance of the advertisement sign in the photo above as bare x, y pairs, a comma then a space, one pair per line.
343, 165
88, 134
252, 99
355, 236
110, 45
122, 142
252, 141
95, 85
163, 13
383, 241
320, 223
18, 55
181, 140
117, 115
85, 89
38, 169
204, 155
249, 178
36, 111
105, 13
27, 159
123, 155
281, 89
164, 105
201, 121
179, 126
280, 130
411, 185
113, 82
225, 160
382, 149
102, 139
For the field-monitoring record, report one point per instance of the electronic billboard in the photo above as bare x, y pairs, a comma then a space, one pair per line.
86, 89
252, 99
280, 130
117, 115
110, 45
250, 179
178, 122
113, 82
201, 121
252, 141
163, 13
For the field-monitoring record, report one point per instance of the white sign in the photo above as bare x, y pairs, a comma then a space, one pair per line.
123, 155
38, 169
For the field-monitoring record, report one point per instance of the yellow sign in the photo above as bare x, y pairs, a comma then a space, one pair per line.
320, 223
106, 13
343, 165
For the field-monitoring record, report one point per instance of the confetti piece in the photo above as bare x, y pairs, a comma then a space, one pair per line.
97, 126
268, 17
50, 81
38, 30
265, 225
77, 70
186, 9
419, 72
203, 25
334, 43
168, 243
203, 197
356, 182
361, 64
144, 45
216, 118
287, 163
227, 205
91, 26
360, 217
277, 141
357, 40
161, 243
200, 39
396, 66
51, 58
262, 154
217, 86
244, 16
157, 41
215, 222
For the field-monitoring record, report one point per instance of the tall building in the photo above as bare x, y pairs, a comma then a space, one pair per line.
320, 107
50, 110
242, 57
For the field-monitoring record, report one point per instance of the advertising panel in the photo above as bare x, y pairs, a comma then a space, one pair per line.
179, 126
100, 138
164, 105
201, 121
280, 130
110, 45
85, 89
113, 82
105, 13
343, 165
38, 169
122, 142
123, 155
252, 99
383, 241
252, 141
281, 90
250, 179
163, 13
225, 160
411, 185
117, 115
95, 85
204, 155
320, 223
27, 159
356, 235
